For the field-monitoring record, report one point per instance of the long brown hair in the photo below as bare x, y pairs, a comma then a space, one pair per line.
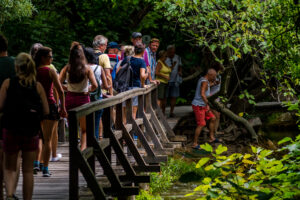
41, 52
77, 62
25, 69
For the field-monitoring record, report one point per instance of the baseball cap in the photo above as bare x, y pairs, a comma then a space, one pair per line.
113, 45
136, 35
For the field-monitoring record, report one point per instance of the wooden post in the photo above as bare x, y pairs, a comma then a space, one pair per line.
106, 120
61, 130
73, 165
90, 135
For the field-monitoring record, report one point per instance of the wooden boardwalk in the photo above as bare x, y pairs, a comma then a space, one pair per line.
56, 187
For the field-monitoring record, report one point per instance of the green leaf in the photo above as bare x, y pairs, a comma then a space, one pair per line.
202, 162
220, 149
254, 149
207, 147
286, 139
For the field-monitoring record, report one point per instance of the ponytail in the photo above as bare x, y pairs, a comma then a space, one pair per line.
25, 69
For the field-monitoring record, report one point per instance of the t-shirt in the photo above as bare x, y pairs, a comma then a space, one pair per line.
104, 60
136, 64
174, 72
7, 68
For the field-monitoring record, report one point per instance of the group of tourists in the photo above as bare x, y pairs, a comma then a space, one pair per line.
34, 96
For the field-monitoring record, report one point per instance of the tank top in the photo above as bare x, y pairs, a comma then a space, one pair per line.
198, 101
43, 76
81, 87
165, 70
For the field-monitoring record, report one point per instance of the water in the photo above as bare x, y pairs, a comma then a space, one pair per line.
277, 134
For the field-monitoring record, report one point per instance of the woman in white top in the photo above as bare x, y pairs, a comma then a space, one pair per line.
78, 76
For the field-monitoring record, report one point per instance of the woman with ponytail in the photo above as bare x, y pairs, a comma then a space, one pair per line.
49, 78
78, 75
23, 101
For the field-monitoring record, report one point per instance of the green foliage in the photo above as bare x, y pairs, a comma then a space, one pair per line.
249, 97
15, 9
295, 107
232, 30
260, 175
170, 173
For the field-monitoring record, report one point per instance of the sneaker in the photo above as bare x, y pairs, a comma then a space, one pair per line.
57, 158
46, 173
36, 168
13, 197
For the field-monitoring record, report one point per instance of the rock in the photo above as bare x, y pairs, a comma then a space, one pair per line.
255, 122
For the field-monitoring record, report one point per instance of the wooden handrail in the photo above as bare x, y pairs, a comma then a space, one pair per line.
98, 105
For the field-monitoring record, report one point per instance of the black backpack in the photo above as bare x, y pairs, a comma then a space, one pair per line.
123, 78
97, 54
23, 109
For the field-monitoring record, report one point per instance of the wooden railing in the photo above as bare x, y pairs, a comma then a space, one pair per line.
150, 126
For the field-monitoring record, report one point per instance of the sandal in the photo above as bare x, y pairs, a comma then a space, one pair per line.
216, 140
196, 147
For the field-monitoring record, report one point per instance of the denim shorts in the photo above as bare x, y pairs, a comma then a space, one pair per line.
135, 101
173, 90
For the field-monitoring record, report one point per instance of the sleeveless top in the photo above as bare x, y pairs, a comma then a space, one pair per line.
43, 76
23, 109
198, 101
81, 87
165, 70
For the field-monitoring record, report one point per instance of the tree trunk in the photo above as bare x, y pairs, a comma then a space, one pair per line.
226, 79
220, 107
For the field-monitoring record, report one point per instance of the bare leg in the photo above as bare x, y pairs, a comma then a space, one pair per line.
54, 141
10, 172
217, 115
163, 105
158, 102
83, 133
124, 115
197, 134
48, 128
27, 165
173, 103
134, 111
101, 128
211, 128
38, 156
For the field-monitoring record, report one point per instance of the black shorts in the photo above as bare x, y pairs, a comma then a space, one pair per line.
53, 113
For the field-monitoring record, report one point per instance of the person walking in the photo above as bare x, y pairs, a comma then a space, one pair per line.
49, 78
101, 80
23, 101
7, 70
78, 75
